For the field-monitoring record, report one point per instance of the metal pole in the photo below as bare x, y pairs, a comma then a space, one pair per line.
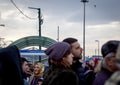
98, 46
84, 1
58, 34
95, 52
39, 17
39, 14
40, 22
84, 33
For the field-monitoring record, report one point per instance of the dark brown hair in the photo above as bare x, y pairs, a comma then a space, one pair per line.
70, 40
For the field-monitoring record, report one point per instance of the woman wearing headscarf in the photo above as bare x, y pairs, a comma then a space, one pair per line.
59, 71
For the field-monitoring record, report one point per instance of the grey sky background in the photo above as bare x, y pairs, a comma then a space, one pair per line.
102, 20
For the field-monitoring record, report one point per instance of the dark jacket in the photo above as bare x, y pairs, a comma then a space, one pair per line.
89, 77
10, 66
102, 76
35, 81
79, 70
60, 76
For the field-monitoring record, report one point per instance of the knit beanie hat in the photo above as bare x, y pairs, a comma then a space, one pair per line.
57, 50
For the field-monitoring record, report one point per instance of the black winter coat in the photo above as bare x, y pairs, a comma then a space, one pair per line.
79, 70
60, 76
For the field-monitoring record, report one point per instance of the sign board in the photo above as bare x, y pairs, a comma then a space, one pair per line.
32, 52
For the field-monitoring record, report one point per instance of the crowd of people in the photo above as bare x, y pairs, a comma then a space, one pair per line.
66, 66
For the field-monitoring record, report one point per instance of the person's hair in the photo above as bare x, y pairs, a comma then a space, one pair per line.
70, 40
110, 46
103, 63
37, 62
61, 62
23, 60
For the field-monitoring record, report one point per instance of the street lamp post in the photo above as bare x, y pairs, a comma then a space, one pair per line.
84, 2
40, 23
95, 52
58, 34
98, 45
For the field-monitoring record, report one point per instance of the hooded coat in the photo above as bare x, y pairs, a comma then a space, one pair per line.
10, 66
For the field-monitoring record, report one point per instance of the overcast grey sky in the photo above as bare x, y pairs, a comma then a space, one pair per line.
102, 20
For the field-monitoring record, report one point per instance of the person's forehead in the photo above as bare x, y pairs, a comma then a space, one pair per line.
25, 62
75, 44
36, 65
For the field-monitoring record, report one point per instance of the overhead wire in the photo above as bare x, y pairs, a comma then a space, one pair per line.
21, 10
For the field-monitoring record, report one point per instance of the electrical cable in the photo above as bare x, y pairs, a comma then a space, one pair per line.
21, 10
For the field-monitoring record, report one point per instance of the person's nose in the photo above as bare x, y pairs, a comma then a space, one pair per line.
72, 55
81, 49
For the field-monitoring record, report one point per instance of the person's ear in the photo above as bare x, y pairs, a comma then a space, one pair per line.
64, 58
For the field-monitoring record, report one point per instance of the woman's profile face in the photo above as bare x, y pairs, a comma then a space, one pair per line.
69, 58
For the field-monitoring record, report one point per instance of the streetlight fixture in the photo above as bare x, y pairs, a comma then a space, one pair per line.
2, 25
98, 45
84, 2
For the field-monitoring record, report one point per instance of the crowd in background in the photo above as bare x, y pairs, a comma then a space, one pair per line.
65, 66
